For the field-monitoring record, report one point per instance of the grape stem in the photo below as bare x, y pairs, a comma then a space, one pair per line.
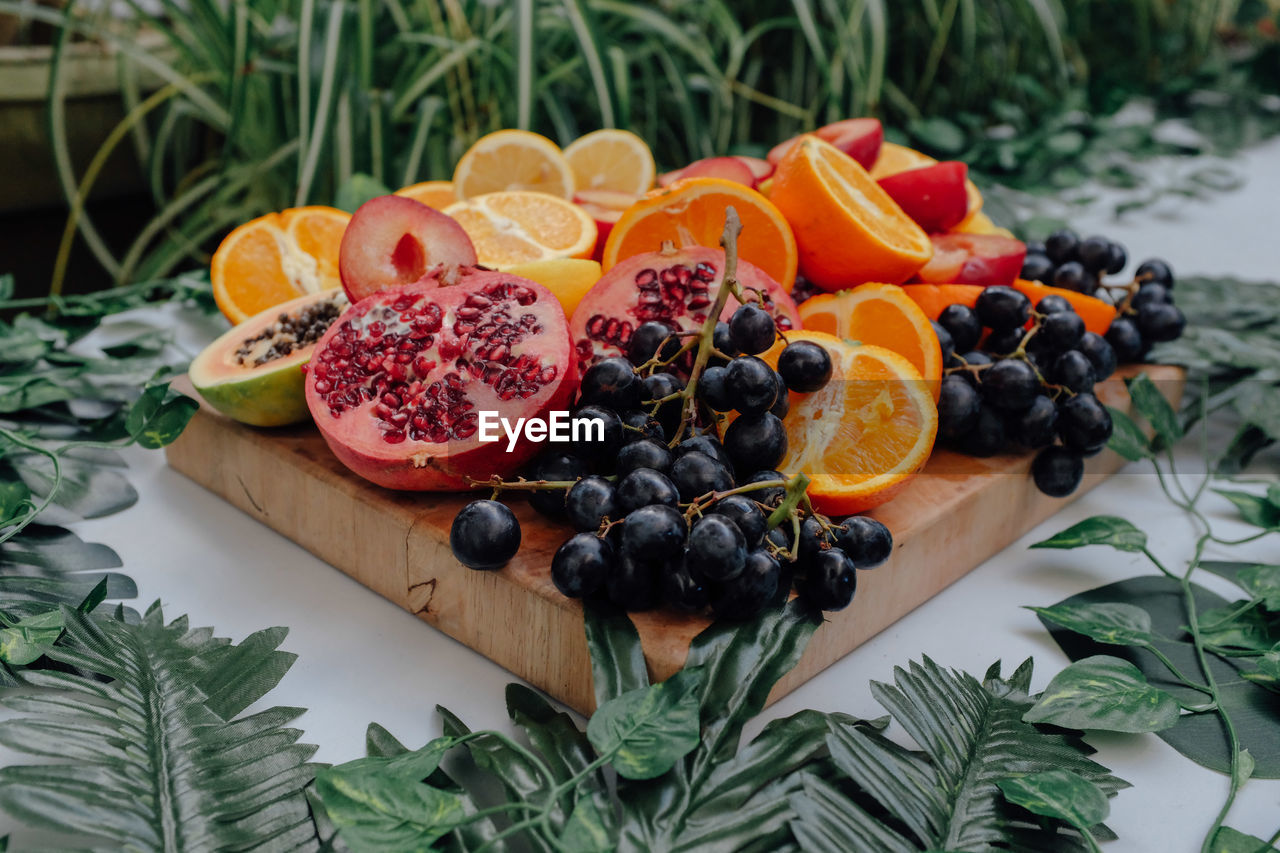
498, 484
698, 503
728, 287
796, 492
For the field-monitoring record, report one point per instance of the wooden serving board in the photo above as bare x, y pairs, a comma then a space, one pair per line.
951, 518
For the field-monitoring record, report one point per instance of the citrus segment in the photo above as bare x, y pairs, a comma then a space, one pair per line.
863, 436
609, 159
568, 278
933, 298
883, 315
434, 194
516, 227
692, 210
977, 222
847, 229
1097, 315
275, 258
513, 160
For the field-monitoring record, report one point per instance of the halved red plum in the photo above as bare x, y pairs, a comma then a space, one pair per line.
860, 138
986, 259
395, 240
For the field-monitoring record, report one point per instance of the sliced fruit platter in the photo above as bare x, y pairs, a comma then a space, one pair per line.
707, 389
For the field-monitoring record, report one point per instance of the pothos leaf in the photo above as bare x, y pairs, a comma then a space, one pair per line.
1114, 623
1154, 406
1098, 530
586, 830
381, 804
1254, 509
1228, 840
647, 730
159, 416
1059, 794
1263, 581
1200, 737
27, 639
1267, 673
617, 659
1127, 438
1104, 693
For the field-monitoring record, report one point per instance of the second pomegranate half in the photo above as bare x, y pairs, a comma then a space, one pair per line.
397, 386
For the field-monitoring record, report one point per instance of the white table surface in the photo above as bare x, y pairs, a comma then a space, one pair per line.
361, 658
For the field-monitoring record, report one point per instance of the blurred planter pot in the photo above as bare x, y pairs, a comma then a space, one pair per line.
93, 107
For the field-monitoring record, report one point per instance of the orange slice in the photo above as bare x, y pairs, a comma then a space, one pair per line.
934, 298
515, 227
1097, 315
434, 194
899, 158
615, 160
275, 258
866, 433
692, 210
513, 160
568, 278
847, 228
883, 315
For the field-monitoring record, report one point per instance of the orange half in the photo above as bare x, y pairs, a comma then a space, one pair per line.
275, 258
692, 210
864, 435
883, 315
436, 195
848, 230
517, 227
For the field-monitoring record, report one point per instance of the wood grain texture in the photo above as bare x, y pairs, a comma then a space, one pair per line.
951, 518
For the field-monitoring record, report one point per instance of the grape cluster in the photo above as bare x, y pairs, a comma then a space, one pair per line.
682, 504
1147, 314
1020, 377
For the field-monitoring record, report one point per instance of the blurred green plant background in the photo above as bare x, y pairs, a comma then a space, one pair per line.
258, 105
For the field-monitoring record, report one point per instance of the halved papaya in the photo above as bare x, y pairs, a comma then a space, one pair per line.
253, 373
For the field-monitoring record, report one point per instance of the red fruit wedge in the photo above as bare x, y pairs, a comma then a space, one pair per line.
760, 168
986, 259
934, 196
860, 138
728, 168
605, 207
394, 240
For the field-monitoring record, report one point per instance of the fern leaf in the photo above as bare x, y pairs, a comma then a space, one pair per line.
943, 796
156, 757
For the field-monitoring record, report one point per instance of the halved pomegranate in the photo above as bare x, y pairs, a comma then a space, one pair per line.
394, 240
677, 287
397, 384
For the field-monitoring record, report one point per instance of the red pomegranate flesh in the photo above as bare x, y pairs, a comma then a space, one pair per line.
677, 287
398, 384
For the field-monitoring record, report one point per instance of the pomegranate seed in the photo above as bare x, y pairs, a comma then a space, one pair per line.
394, 436
499, 353
466, 312
376, 328
548, 375
422, 366
399, 419
417, 434
404, 357
646, 277
524, 295
421, 422
700, 301
382, 410
476, 300
705, 271
323, 386
392, 400
461, 328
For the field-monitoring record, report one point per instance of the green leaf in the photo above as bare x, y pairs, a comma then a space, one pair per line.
162, 426
141, 722
942, 796
1098, 530
27, 639
1104, 693
1267, 673
1059, 794
356, 191
1263, 581
1200, 737
1228, 840
617, 660
381, 804
586, 830
1127, 438
1153, 406
647, 730
1255, 510
14, 499
1109, 622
